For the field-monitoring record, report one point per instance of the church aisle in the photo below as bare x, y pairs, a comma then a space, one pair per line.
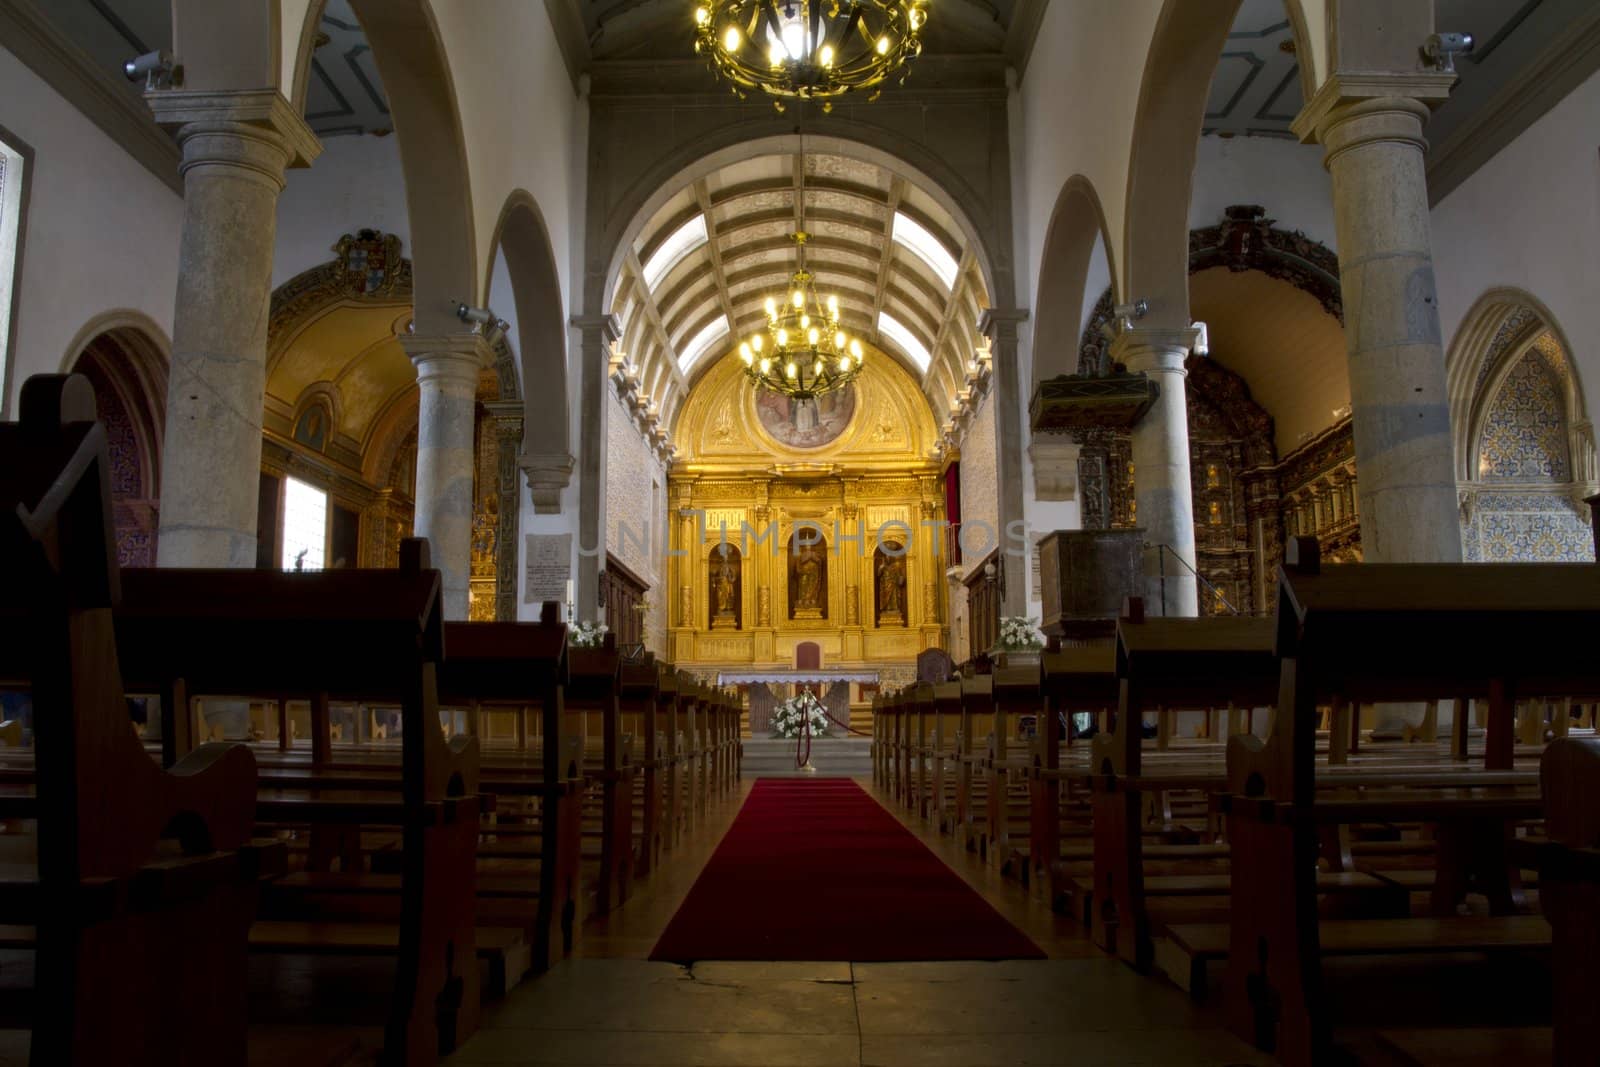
817, 869
612, 1007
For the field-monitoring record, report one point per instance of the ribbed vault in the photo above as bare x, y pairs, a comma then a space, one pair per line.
696, 278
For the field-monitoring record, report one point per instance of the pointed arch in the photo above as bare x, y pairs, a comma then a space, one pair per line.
1076, 224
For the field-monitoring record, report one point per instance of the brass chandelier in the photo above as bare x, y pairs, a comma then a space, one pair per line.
809, 49
804, 353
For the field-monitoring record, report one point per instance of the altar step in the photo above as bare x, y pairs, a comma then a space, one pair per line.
772, 758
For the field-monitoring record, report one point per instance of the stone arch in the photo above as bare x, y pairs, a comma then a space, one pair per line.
1245, 239
1075, 225
125, 357
1525, 452
522, 237
417, 79
1179, 67
1499, 328
611, 235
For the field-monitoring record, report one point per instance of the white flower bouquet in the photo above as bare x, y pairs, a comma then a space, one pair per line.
1019, 634
587, 634
789, 717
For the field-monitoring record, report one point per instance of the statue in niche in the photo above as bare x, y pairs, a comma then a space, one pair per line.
808, 580
723, 573
890, 568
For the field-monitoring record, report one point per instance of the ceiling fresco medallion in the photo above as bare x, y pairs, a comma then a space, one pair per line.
809, 422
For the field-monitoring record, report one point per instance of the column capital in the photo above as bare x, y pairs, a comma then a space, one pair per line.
547, 474
1153, 349
448, 358
601, 329
194, 111
1398, 102
999, 325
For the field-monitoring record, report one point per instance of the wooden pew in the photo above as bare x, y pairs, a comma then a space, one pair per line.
373, 636
1073, 679
1568, 861
144, 885
518, 666
1163, 665
972, 785
594, 691
640, 702
1387, 633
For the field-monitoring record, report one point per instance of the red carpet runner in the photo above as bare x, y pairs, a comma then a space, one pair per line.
815, 869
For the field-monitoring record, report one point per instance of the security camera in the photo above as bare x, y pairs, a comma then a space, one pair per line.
1441, 49
1202, 339
156, 68
483, 321
1136, 310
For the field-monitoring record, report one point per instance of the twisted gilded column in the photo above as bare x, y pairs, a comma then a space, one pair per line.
236, 146
447, 375
1370, 126
1161, 469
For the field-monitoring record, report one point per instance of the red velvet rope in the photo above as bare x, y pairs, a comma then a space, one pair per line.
802, 748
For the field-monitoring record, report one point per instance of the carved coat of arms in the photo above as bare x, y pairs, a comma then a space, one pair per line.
370, 260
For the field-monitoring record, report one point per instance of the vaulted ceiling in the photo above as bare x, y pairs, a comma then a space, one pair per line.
696, 279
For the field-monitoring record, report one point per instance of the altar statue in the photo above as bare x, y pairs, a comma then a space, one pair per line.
891, 586
727, 572
810, 571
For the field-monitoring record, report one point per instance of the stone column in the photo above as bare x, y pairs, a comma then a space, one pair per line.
1370, 125
447, 373
1161, 475
597, 334
235, 148
1000, 326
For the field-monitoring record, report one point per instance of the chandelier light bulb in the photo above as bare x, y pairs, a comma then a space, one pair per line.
790, 371
732, 38
756, 342
883, 45
775, 57
839, 340
746, 354
825, 55
855, 350
816, 368
813, 335
772, 308
702, 15
844, 364
783, 338
798, 299
766, 366
833, 306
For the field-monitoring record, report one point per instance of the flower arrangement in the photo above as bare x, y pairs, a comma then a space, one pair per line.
789, 717
587, 634
1019, 634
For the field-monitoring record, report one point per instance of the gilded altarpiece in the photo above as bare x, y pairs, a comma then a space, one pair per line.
808, 524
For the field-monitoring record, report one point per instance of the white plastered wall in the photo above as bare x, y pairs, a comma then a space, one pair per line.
356, 183
1530, 219
102, 232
